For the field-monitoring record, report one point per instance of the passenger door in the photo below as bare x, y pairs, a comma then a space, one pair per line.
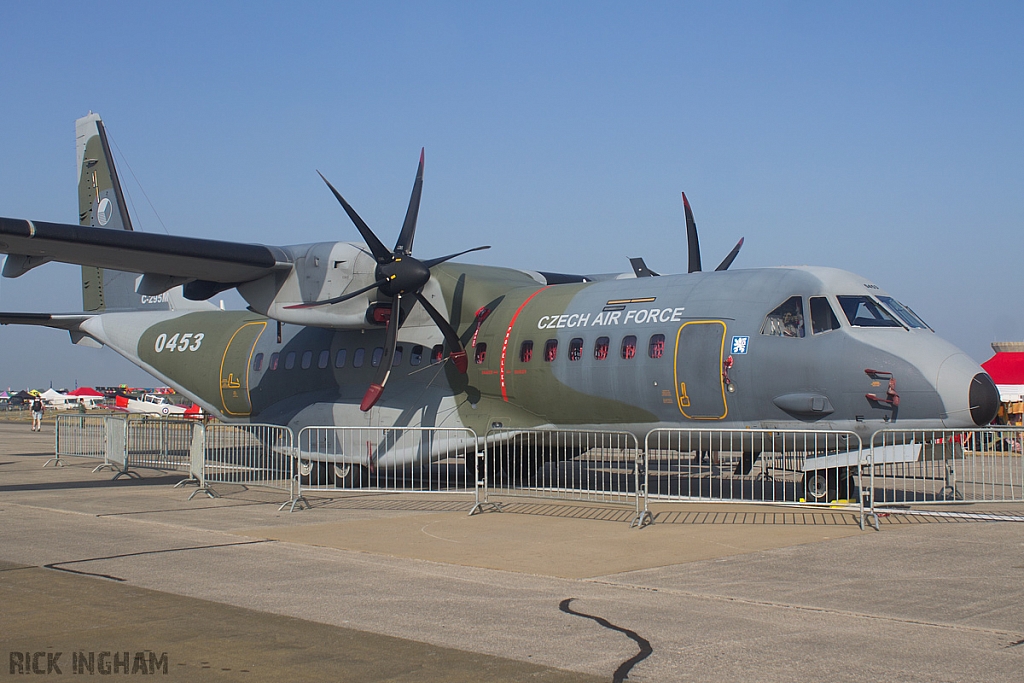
700, 386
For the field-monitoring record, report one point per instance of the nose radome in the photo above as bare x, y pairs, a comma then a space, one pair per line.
984, 399
968, 394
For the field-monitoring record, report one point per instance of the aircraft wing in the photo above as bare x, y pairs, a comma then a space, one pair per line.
32, 243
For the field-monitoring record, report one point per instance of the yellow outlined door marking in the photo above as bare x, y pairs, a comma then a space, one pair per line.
700, 387
234, 369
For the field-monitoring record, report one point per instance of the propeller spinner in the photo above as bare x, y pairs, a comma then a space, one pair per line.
398, 274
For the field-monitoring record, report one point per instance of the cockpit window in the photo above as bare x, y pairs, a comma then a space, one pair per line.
904, 313
787, 320
863, 311
823, 318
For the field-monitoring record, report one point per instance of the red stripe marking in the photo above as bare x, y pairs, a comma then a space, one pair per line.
504, 345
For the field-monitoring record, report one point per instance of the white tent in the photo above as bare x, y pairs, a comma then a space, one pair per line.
58, 400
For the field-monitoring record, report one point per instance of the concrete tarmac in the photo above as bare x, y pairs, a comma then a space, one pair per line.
393, 588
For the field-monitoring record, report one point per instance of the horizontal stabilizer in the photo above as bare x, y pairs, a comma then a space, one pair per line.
60, 321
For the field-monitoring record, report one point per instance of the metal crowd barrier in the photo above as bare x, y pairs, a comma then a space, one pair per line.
947, 466
83, 436
160, 443
565, 464
427, 459
801, 467
249, 455
92, 436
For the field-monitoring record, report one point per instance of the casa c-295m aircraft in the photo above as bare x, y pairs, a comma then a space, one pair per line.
359, 334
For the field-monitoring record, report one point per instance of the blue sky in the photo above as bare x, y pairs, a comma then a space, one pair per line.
881, 138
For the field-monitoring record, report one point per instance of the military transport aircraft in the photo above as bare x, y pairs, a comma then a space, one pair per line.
341, 333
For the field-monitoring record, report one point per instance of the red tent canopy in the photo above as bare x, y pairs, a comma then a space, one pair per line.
1006, 368
86, 391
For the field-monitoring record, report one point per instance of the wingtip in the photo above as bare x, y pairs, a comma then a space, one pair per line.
685, 202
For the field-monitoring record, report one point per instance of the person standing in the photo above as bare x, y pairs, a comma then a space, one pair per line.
37, 415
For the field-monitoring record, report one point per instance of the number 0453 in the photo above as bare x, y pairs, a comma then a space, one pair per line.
190, 341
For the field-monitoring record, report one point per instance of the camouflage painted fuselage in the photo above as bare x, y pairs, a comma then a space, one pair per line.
629, 354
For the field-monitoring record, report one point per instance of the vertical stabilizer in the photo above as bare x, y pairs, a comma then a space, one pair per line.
101, 205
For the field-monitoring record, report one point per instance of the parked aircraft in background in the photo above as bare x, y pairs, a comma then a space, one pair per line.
341, 333
155, 404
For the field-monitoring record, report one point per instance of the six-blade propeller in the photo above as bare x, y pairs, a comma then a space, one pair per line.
397, 275
640, 268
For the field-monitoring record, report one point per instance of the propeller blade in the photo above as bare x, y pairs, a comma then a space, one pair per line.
430, 263
724, 265
339, 299
458, 353
691, 238
377, 248
375, 390
408, 234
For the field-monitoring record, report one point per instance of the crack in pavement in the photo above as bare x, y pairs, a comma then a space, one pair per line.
809, 608
56, 565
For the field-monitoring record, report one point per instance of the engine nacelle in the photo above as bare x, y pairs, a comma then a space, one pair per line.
321, 271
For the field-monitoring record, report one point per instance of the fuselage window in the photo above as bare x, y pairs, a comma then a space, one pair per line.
436, 354
257, 362
863, 311
656, 348
358, 357
823, 318
576, 349
787, 320
274, 358
378, 353
904, 312
629, 347
481, 353
289, 360
398, 355
323, 359
339, 359
416, 355
550, 350
526, 351
601, 348
307, 359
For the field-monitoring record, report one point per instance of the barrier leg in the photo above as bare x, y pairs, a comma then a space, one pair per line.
481, 503
297, 500
642, 517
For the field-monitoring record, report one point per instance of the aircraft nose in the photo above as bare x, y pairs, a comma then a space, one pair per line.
984, 399
968, 393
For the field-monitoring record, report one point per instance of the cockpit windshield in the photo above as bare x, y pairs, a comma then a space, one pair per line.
863, 311
904, 313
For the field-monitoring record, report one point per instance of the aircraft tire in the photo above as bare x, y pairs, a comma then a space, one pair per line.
820, 485
823, 486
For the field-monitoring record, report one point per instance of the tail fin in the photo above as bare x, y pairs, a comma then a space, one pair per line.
101, 205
